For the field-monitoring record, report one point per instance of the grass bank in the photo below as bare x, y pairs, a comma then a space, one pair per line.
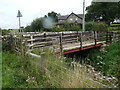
107, 59
47, 72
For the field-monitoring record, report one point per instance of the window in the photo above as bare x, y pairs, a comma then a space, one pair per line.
76, 19
71, 19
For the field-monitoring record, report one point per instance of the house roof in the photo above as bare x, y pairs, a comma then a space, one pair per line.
64, 17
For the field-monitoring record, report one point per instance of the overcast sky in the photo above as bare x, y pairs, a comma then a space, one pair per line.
32, 9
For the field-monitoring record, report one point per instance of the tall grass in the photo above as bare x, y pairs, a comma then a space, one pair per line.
47, 72
107, 59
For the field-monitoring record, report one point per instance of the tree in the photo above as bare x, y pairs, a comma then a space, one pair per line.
37, 24
103, 11
53, 15
28, 28
43, 23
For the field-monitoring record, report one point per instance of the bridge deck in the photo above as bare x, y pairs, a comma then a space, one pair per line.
69, 48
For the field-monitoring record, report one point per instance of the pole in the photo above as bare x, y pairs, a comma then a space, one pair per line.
19, 15
19, 23
83, 25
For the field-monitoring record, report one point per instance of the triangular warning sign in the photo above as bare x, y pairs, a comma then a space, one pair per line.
19, 14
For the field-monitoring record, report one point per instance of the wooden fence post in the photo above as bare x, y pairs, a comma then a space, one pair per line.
61, 46
44, 35
22, 45
95, 37
31, 37
80, 40
77, 36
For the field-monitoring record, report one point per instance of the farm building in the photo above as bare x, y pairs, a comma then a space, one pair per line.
70, 19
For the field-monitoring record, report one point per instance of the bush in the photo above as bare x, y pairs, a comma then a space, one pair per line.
114, 27
4, 32
27, 28
107, 59
89, 26
66, 27
74, 27
57, 29
92, 26
37, 24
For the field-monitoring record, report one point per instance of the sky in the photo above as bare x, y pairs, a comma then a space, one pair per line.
32, 9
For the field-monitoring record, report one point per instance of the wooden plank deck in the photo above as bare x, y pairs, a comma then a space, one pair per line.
69, 48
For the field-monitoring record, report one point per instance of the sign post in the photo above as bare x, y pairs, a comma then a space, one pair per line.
83, 25
19, 15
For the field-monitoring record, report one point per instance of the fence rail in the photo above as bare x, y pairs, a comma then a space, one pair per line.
60, 40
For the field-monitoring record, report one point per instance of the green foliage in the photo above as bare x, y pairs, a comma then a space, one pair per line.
114, 27
93, 26
73, 27
47, 72
37, 24
7, 43
53, 15
108, 11
12, 72
57, 29
27, 28
4, 31
66, 27
89, 26
107, 59
21, 72
40, 24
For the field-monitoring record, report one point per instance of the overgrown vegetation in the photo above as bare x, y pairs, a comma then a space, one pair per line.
74, 27
4, 32
107, 59
66, 27
93, 26
47, 72
114, 27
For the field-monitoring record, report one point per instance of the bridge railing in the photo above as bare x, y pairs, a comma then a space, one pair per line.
60, 40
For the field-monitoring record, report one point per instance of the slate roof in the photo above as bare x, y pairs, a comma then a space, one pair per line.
64, 17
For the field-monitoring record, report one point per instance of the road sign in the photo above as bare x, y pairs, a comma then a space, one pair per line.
19, 14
